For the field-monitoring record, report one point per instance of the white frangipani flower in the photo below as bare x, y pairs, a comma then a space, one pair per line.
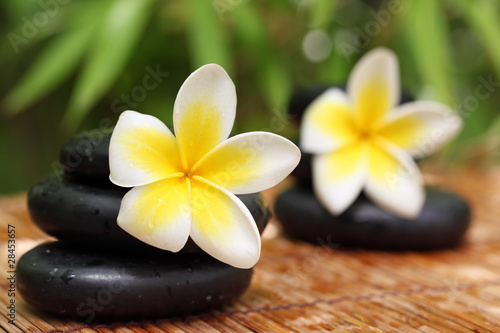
363, 141
185, 185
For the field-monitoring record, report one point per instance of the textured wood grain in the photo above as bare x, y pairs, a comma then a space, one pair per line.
298, 287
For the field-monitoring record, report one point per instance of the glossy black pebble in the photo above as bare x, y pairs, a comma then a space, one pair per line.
441, 224
301, 99
86, 156
303, 171
89, 286
85, 213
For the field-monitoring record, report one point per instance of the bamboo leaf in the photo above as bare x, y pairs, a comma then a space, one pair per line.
427, 37
58, 59
33, 22
335, 69
16, 9
322, 13
207, 38
274, 79
52, 67
275, 83
117, 37
484, 17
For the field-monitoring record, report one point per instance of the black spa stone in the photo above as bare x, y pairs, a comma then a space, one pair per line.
86, 156
85, 212
303, 171
92, 286
301, 99
442, 223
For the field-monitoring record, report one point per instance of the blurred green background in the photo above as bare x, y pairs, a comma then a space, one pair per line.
70, 66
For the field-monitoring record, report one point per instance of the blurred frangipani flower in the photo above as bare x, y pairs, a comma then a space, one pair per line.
185, 186
362, 140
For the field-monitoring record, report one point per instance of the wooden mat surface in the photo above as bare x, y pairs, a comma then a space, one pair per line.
298, 287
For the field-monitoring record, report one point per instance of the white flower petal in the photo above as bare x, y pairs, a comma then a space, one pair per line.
204, 112
328, 123
338, 177
249, 162
223, 226
373, 86
142, 150
394, 181
158, 214
421, 127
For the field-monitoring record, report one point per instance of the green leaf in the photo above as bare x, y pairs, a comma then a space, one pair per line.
52, 67
335, 69
115, 42
322, 13
33, 22
250, 29
58, 59
273, 76
275, 83
427, 37
484, 17
494, 128
207, 38
17, 9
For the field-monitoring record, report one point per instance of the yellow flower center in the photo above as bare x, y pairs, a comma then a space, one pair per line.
365, 135
188, 174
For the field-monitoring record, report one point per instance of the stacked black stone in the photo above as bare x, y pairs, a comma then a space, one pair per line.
442, 223
96, 270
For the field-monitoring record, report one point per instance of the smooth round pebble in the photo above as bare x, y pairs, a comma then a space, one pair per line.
303, 171
85, 212
86, 156
92, 286
442, 223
